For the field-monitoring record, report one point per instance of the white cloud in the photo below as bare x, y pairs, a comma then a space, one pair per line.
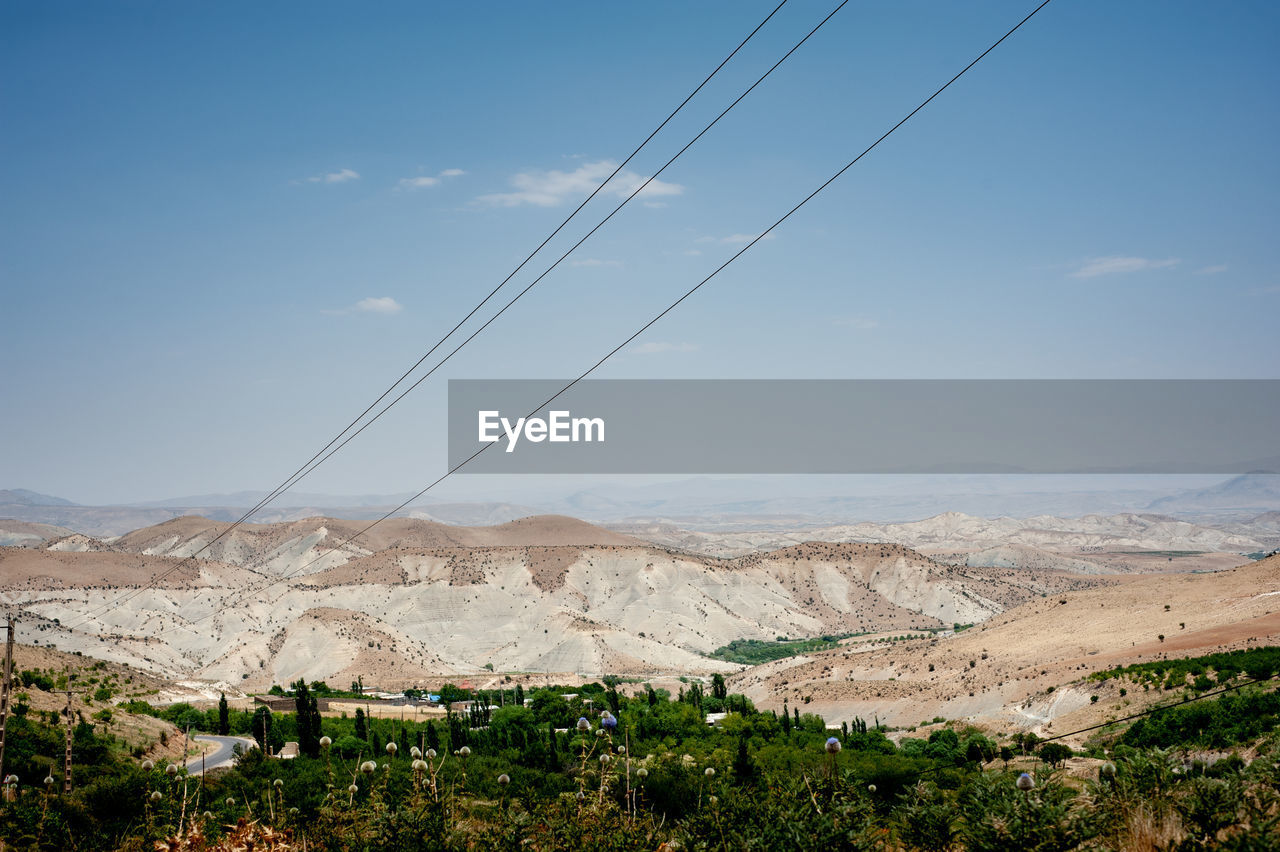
858, 322
378, 305
335, 177
691, 252
418, 182
452, 173
657, 347
1097, 266
554, 187
592, 261
1212, 270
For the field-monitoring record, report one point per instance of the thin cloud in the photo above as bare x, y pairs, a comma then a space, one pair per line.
426, 181
1212, 270
738, 239
593, 261
379, 305
341, 176
554, 187
1116, 265
370, 305
658, 347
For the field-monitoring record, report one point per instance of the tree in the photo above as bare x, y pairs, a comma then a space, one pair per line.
261, 727
362, 729
224, 716
519, 695
308, 719
718, 688
1054, 753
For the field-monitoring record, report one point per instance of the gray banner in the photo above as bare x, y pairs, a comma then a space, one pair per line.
861, 426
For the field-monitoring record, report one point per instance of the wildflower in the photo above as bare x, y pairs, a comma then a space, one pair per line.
504, 779
415, 752
431, 754
1025, 782
604, 759
392, 748
147, 766
353, 789
710, 771
325, 742
171, 770
833, 745
871, 788
277, 783
419, 765
368, 767
464, 751
583, 724
608, 721
155, 796
642, 772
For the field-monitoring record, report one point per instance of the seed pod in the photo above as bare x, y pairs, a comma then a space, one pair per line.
710, 771
277, 783
419, 765
147, 766
368, 767
171, 770
155, 796
464, 751
504, 779
392, 748
1025, 782
325, 742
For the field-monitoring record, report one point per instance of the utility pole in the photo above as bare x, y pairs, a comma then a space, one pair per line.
66, 778
6, 691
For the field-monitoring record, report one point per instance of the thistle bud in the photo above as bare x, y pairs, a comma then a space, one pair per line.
833, 745
155, 796
431, 754
464, 751
147, 766
1025, 782
392, 748
171, 770
709, 771
277, 783
504, 779
325, 742
642, 772
583, 724
353, 789
368, 767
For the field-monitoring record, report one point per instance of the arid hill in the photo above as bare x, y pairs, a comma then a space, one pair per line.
1001, 671
275, 602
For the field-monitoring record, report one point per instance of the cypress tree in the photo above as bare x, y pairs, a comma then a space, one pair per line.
224, 716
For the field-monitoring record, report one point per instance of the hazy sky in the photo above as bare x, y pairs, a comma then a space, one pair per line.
226, 227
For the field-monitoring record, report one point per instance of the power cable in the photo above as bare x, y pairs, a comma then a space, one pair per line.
670, 307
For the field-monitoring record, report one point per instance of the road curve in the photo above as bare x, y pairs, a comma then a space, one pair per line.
224, 756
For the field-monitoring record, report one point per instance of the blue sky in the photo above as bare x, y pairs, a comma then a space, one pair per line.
225, 228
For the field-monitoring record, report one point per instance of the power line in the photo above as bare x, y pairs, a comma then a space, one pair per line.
670, 307
312, 463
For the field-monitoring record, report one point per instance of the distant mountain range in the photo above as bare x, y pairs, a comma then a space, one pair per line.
716, 504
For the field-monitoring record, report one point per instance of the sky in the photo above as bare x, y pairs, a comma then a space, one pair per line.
225, 228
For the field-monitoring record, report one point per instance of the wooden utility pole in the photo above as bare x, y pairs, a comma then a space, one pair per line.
6, 691
66, 767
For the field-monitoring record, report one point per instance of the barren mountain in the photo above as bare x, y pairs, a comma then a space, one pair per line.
290, 600
959, 533
1002, 670
25, 534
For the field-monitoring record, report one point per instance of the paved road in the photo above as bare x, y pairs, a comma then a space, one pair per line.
224, 756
